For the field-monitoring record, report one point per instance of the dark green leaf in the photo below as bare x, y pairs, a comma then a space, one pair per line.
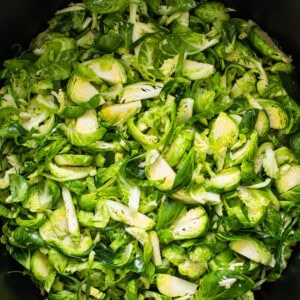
76, 186
18, 187
248, 121
131, 292
170, 6
185, 170
11, 130
273, 223
26, 238
104, 6
73, 111
21, 255
295, 144
132, 171
108, 42
8, 213
168, 211
214, 286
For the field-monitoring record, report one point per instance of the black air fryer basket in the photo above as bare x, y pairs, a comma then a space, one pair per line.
21, 20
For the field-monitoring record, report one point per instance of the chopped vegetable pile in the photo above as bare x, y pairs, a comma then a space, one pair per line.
149, 150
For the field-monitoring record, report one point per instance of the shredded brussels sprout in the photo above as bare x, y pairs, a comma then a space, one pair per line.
149, 150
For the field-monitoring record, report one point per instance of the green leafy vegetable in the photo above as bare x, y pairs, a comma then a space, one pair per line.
149, 149
104, 6
224, 284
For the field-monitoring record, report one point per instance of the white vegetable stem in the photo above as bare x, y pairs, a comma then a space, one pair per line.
156, 256
134, 197
73, 224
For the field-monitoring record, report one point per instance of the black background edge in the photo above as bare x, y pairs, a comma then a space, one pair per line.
21, 20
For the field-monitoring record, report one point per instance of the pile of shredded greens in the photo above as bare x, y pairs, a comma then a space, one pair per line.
149, 150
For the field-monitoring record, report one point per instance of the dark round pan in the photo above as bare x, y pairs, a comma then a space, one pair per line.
21, 20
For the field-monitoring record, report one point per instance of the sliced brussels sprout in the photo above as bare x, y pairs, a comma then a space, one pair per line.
98, 219
224, 131
108, 68
140, 91
42, 196
259, 156
55, 231
168, 66
80, 138
118, 114
197, 194
185, 110
289, 178
204, 98
57, 260
246, 152
87, 123
81, 91
265, 158
18, 187
40, 122
263, 43
184, 170
154, 128
63, 43
73, 160
112, 92
173, 286
240, 54
194, 70
291, 196
122, 213
245, 84
284, 155
254, 250
222, 260
192, 224
194, 42
262, 124
192, 269
181, 144
256, 202
104, 7
210, 12
225, 180
36, 222
39, 266
85, 73
4, 181
139, 234
47, 102
8, 213
72, 111
174, 254
62, 174
41, 87
277, 116
201, 253
157, 169
85, 131
139, 30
